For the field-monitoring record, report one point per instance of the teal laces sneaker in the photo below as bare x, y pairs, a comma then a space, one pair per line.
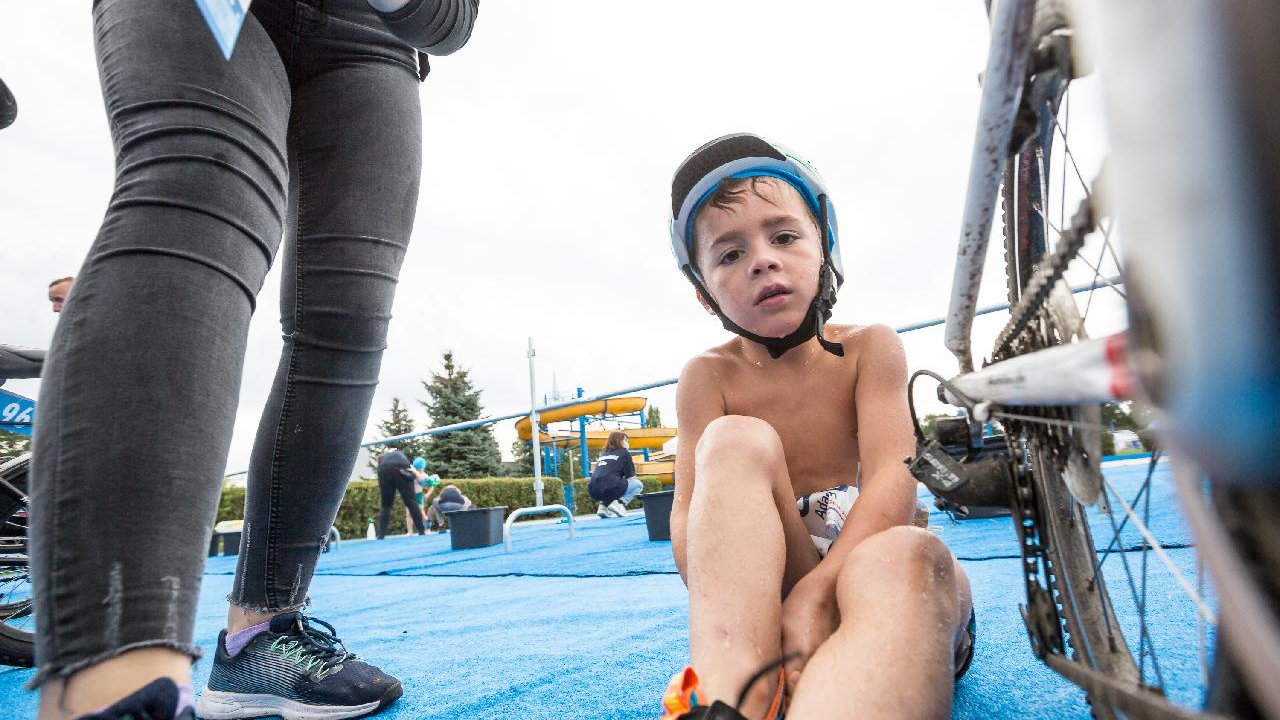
294, 667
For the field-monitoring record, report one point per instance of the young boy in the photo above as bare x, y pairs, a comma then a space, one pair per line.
790, 524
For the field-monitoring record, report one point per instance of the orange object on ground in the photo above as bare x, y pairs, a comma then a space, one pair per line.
681, 696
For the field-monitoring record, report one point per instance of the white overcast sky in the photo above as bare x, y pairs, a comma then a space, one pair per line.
550, 141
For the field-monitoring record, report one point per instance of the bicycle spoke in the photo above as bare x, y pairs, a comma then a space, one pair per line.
1066, 149
1145, 645
1088, 305
1115, 539
1201, 607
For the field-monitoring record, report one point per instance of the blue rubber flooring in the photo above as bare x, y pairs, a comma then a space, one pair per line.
594, 627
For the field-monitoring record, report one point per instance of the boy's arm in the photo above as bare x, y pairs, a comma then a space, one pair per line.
698, 402
887, 494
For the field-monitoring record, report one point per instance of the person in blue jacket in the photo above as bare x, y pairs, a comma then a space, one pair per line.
613, 481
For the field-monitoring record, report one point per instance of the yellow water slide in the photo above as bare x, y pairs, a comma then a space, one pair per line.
637, 438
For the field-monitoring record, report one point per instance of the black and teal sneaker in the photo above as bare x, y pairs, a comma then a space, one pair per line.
161, 699
296, 670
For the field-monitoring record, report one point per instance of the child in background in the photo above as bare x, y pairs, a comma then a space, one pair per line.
419, 481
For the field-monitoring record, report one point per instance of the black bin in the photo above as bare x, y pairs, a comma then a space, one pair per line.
476, 528
657, 513
231, 543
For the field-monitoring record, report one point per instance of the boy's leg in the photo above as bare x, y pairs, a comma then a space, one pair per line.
904, 603
123, 501
746, 546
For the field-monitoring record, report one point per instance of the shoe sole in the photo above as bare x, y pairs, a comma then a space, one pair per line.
224, 705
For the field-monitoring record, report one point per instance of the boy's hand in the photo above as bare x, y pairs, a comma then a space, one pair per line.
809, 617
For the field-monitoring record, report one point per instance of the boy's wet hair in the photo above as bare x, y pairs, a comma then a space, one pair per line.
733, 191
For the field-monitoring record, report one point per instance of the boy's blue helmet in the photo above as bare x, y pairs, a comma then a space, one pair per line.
420, 463
743, 155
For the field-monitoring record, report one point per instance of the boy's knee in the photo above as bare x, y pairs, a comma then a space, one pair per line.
900, 559
740, 436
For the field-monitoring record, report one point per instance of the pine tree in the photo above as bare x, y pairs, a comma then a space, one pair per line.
463, 453
399, 422
654, 418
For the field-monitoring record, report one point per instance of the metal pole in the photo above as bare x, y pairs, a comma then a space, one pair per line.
537, 431
582, 444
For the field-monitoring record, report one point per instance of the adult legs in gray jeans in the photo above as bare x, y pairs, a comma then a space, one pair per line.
143, 377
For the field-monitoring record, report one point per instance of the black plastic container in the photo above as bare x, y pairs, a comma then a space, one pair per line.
657, 513
476, 528
231, 543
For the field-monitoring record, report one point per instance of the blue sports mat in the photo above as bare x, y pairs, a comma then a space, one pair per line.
594, 627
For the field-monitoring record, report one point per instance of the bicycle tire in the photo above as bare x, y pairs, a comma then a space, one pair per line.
17, 645
1080, 598
1082, 602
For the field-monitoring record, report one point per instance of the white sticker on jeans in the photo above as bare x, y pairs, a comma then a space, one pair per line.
224, 17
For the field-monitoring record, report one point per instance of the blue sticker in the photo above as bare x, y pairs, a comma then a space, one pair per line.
224, 17
17, 413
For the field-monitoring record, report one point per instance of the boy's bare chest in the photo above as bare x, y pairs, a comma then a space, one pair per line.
813, 413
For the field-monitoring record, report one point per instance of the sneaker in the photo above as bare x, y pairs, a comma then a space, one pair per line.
161, 699
601, 510
618, 509
295, 670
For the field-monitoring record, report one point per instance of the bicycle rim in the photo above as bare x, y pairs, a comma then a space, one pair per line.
1082, 614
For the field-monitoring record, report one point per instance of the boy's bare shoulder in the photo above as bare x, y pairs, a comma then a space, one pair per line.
705, 368
863, 342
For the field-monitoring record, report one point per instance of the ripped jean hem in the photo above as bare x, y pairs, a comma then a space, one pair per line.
266, 608
45, 672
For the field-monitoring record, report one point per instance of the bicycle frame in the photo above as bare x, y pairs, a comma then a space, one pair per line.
1001, 92
1205, 358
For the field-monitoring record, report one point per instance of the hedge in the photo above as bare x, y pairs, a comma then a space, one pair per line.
361, 501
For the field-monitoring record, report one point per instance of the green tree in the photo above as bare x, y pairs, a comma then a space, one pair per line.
1125, 416
927, 422
399, 422
654, 418
12, 444
469, 453
523, 454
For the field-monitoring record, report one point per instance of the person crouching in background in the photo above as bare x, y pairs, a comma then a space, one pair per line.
613, 481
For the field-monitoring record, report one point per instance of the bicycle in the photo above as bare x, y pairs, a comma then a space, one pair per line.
17, 610
1194, 178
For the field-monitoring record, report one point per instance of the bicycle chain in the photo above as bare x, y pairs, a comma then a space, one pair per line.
1046, 627
1041, 284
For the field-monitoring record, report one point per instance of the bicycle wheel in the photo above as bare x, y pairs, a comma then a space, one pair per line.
17, 612
1071, 618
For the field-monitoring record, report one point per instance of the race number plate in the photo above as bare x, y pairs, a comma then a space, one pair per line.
17, 413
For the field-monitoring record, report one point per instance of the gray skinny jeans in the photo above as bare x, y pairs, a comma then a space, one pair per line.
311, 132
